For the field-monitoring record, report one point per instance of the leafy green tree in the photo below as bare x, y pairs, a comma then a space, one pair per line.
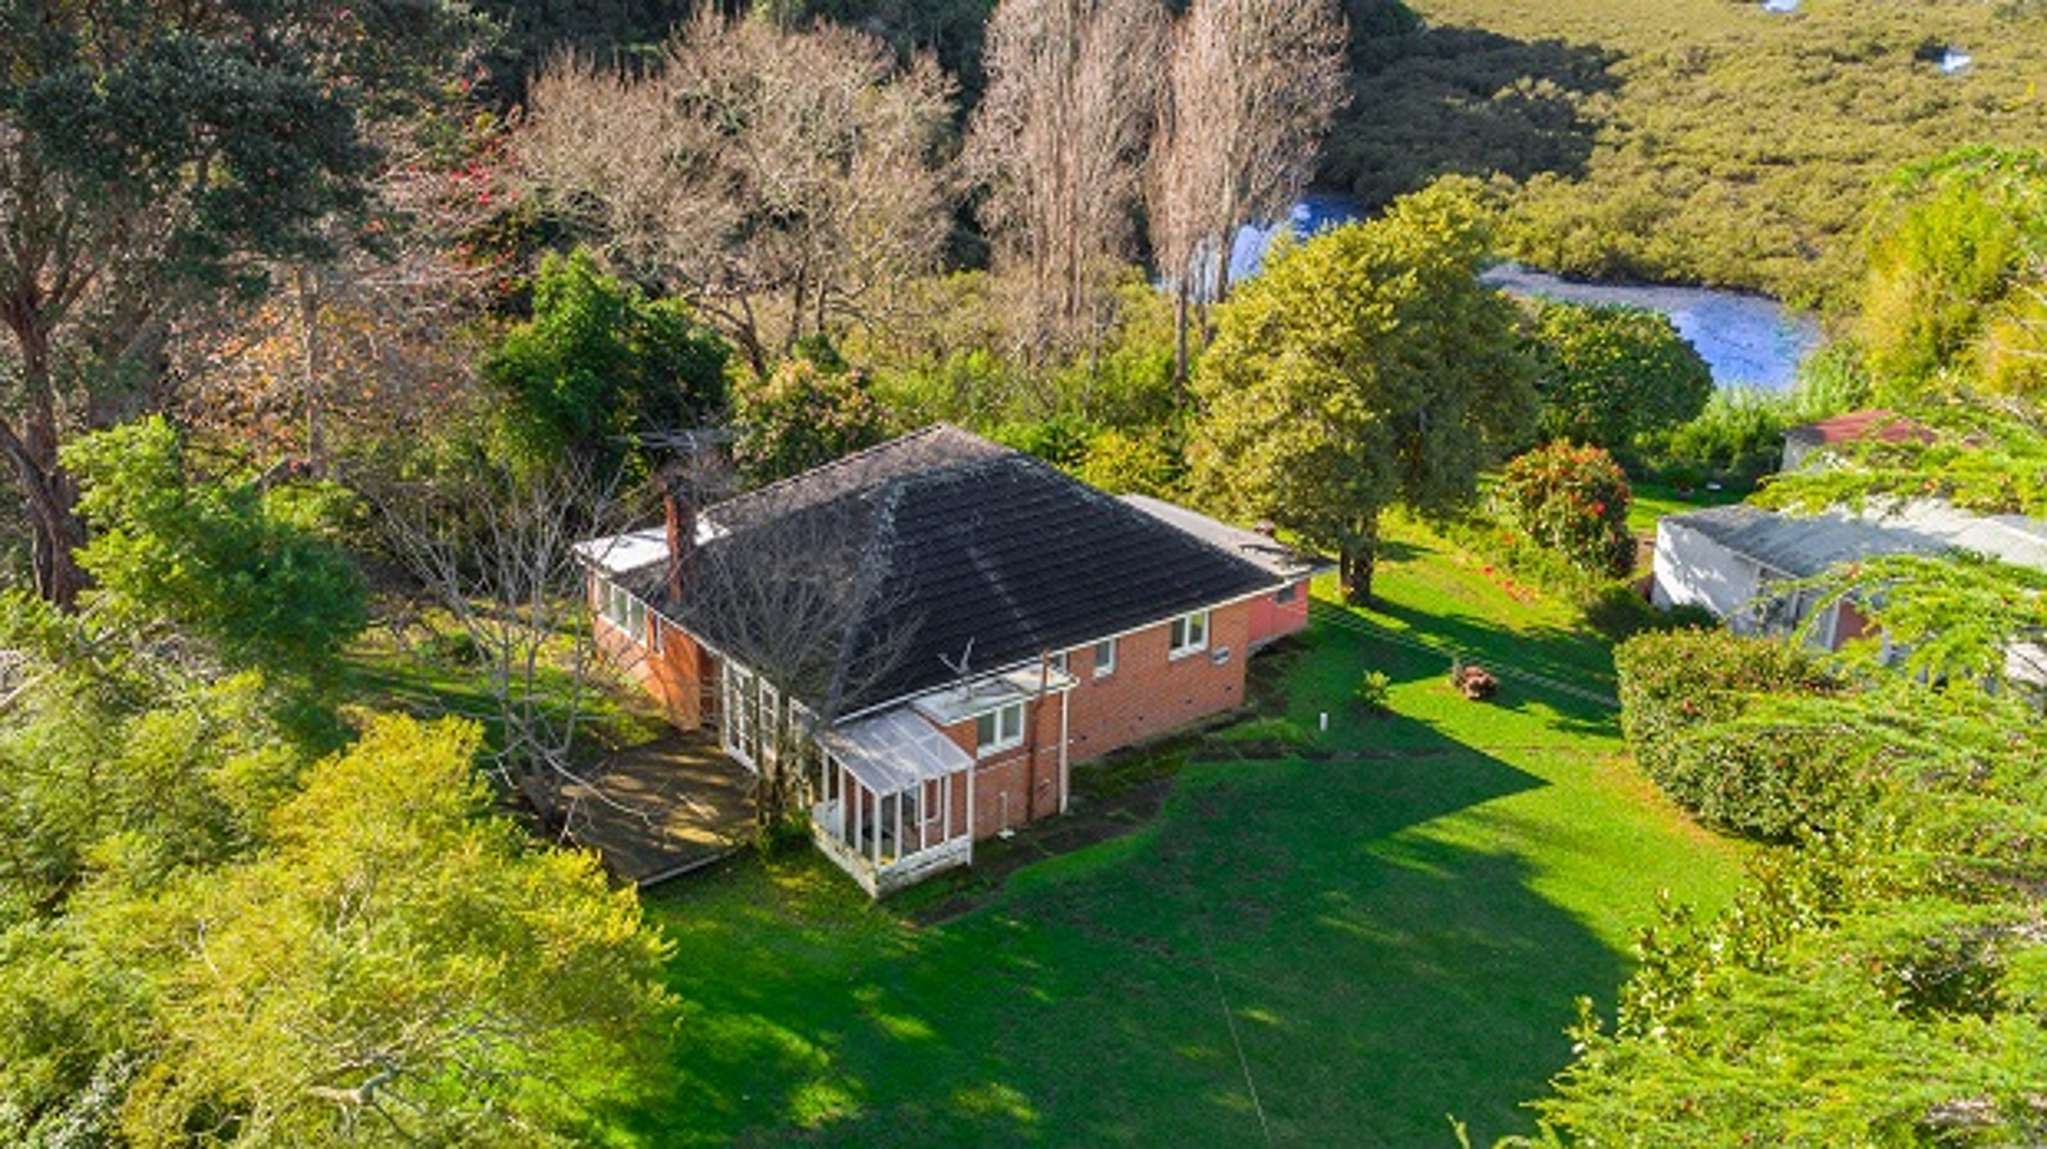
599, 363
153, 155
803, 416
1950, 263
397, 966
222, 560
486, 993
1123, 463
1366, 367
1608, 374
114, 757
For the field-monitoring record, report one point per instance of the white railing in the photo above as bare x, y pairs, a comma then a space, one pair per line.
896, 870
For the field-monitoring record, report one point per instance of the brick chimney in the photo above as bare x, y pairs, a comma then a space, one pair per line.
680, 513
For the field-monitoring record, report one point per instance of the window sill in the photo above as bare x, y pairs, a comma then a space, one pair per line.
1190, 652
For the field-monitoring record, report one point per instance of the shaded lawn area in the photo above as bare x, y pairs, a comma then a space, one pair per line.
1386, 928
1652, 501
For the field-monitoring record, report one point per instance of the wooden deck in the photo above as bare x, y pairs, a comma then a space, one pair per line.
663, 809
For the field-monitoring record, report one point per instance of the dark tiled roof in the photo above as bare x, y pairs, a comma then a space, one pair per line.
968, 541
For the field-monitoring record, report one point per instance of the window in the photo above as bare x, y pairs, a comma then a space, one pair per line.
1059, 662
623, 609
998, 730
1189, 634
1105, 658
1286, 593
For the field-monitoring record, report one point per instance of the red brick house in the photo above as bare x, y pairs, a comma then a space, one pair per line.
1031, 623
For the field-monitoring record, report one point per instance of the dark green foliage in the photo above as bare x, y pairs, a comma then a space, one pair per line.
1736, 440
221, 560
1618, 612
1878, 985
1689, 708
1574, 500
1363, 368
803, 416
1690, 140
1609, 374
1062, 440
599, 364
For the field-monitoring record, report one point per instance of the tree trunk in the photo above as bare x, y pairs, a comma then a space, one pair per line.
51, 496
1357, 562
1181, 305
314, 382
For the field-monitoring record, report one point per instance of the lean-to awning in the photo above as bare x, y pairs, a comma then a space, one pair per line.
895, 750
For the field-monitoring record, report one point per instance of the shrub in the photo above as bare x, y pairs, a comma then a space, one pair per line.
1374, 691
1618, 611
803, 416
1735, 441
1573, 499
1609, 374
1703, 712
1121, 463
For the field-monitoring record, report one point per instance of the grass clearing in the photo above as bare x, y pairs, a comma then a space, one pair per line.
1338, 947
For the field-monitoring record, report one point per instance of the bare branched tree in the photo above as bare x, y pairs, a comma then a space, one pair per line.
1058, 141
1252, 88
800, 592
784, 182
496, 552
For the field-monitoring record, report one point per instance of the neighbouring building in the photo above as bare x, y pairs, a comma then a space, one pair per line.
992, 622
1745, 564
1814, 441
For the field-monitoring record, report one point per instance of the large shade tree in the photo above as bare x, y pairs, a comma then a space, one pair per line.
152, 156
1365, 368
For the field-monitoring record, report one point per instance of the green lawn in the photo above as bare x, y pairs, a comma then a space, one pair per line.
1387, 929
1652, 502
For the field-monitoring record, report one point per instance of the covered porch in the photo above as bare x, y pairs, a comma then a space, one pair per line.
894, 795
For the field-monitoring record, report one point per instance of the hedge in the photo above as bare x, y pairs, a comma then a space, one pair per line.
1708, 715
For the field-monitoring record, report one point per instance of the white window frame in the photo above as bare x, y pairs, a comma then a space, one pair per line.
1060, 661
1180, 640
1285, 595
1001, 742
1104, 667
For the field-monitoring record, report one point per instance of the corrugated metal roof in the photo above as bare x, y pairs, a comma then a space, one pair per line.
895, 750
1805, 545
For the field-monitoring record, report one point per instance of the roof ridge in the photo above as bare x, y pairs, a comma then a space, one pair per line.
929, 430
1134, 514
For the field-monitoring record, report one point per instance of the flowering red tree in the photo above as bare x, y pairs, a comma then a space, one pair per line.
1574, 499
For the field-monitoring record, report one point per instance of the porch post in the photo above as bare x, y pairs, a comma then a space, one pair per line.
877, 829
854, 841
923, 814
946, 828
899, 824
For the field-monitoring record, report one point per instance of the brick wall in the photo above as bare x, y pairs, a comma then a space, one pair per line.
1148, 694
1272, 619
678, 673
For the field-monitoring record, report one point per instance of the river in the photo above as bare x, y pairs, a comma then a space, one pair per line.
1747, 340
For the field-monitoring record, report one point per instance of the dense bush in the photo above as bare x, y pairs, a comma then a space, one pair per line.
600, 363
1692, 712
1574, 499
803, 416
1122, 463
1609, 374
1735, 441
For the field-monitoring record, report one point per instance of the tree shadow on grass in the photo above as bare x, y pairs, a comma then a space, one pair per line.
1287, 930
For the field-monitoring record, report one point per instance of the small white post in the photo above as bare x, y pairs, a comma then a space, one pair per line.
1325, 722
